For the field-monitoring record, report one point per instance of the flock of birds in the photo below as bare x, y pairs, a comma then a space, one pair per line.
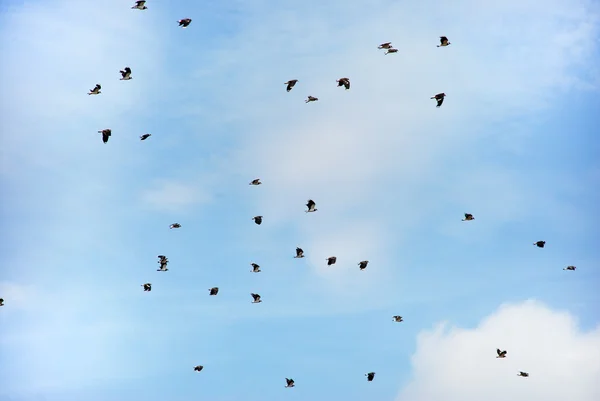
311, 205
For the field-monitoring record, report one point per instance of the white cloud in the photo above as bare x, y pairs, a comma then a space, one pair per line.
460, 364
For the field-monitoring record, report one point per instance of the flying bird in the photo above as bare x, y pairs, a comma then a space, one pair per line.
256, 298
397, 319
198, 368
255, 268
311, 99
570, 268
105, 134
96, 90
370, 376
311, 206
290, 382
185, 22
392, 50
363, 265
255, 182
147, 287
290, 84
523, 374
331, 260
145, 136
443, 41
345, 82
540, 244
213, 291
140, 5
501, 354
163, 261
468, 217
1, 301
175, 225
386, 45
257, 219
126, 74
440, 98
299, 253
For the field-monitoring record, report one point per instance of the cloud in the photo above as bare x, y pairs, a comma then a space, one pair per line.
459, 364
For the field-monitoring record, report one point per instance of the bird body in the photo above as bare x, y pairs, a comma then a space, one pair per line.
440, 98
145, 136
397, 319
96, 90
255, 182
443, 41
570, 268
386, 45
501, 354
344, 82
391, 50
255, 268
468, 217
289, 383
125, 74
213, 291
370, 376
140, 5
257, 219
331, 260
311, 99
310, 204
106, 133
523, 374
198, 368
185, 22
299, 253
175, 225
1, 301
147, 287
256, 298
290, 84
363, 265
540, 244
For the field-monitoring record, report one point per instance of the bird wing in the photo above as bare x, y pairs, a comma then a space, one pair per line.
347, 84
440, 100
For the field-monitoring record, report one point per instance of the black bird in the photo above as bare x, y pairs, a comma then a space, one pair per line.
363, 265
257, 219
96, 90
290, 84
213, 291
175, 225
443, 41
185, 22
198, 368
370, 376
299, 253
440, 98
255, 182
147, 287
256, 298
1, 301
540, 244
386, 45
392, 50
145, 136
501, 354
290, 382
523, 374
255, 268
126, 74
311, 99
570, 268
106, 133
163, 261
397, 319
311, 206
345, 82
331, 260
140, 5
468, 217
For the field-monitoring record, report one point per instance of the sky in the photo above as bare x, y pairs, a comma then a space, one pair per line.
515, 143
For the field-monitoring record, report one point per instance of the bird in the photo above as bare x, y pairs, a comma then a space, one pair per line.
147, 287
290, 382
331, 260
198, 368
255, 268
540, 244
392, 50
468, 217
213, 291
363, 265
345, 82
501, 354
140, 5
443, 41
96, 90
311, 99
163, 267
290, 84
523, 374
185, 22
105, 134
126, 74
175, 225
256, 298
299, 253
162, 259
397, 319
311, 206
145, 136
1, 301
440, 98
370, 376
257, 219
386, 45
255, 182
570, 268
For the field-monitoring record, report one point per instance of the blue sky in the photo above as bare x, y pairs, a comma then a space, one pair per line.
515, 143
